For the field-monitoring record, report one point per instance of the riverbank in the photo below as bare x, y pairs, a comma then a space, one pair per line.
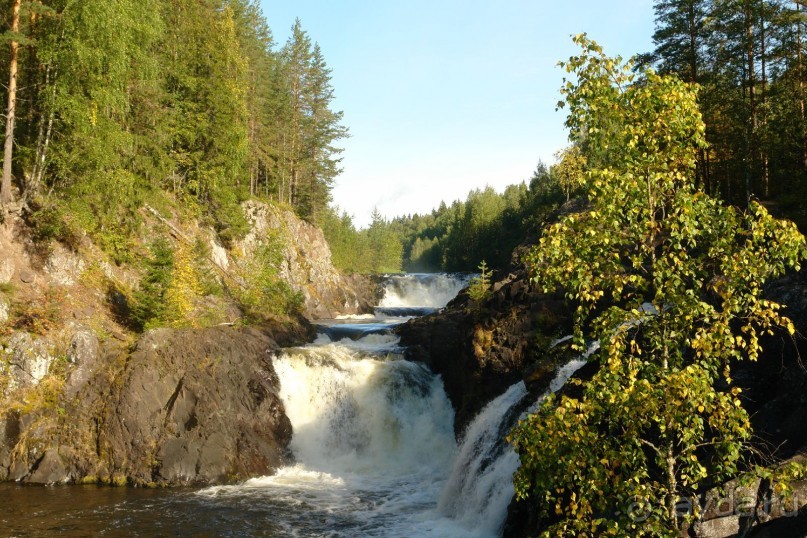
86, 397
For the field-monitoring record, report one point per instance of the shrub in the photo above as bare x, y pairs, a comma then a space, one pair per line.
479, 290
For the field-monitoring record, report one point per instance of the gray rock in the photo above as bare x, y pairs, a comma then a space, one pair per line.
29, 359
83, 358
26, 276
198, 407
50, 469
4, 309
219, 255
64, 266
306, 264
6, 271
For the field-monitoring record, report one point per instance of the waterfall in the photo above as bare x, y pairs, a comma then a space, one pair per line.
420, 293
373, 436
480, 485
373, 445
353, 414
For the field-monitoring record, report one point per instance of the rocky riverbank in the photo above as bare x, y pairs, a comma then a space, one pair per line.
85, 398
186, 406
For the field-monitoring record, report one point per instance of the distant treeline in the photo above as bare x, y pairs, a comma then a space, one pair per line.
118, 101
458, 237
486, 226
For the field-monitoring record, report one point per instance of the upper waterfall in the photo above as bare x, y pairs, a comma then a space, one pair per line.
419, 293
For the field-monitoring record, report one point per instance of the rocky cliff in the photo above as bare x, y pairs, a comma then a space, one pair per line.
83, 398
306, 263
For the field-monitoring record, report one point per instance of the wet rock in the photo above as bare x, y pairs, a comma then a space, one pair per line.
50, 469
198, 407
195, 406
482, 349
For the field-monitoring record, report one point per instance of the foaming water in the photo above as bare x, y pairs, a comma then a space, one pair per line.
480, 485
422, 290
373, 439
373, 444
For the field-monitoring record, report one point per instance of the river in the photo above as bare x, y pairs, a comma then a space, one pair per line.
374, 448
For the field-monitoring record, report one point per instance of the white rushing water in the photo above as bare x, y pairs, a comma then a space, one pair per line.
422, 290
374, 441
480, 486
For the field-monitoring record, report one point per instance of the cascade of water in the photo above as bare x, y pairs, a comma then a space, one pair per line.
373, 437
356, 414
480, 485
422, 290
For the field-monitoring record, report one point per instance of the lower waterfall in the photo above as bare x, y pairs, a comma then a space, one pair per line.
375, 450
373, 445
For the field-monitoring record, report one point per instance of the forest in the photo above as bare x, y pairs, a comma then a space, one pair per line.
191, 102
100, 122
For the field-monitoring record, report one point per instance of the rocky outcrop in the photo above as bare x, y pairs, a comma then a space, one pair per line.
306, 263
192, 406
480, 349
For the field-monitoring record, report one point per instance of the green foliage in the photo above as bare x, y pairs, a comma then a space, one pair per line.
748, 59
377, 249
128, 98
265, 294
384, 246
486, 226
48, 224
149, 308
570, 170
349, 248
479, 289
669, 282
184, 289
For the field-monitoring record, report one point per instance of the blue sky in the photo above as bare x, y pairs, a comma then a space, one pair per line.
445, 96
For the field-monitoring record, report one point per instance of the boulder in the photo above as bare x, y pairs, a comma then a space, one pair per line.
198, 407
185, 407
64, 266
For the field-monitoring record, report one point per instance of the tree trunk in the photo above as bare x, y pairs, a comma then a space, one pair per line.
5, 186
693, 43
751, 130
800, 75
763, 108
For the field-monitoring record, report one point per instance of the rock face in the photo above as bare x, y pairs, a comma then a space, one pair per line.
79, 402
482, 349
307, 265
194, 406
28, 359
